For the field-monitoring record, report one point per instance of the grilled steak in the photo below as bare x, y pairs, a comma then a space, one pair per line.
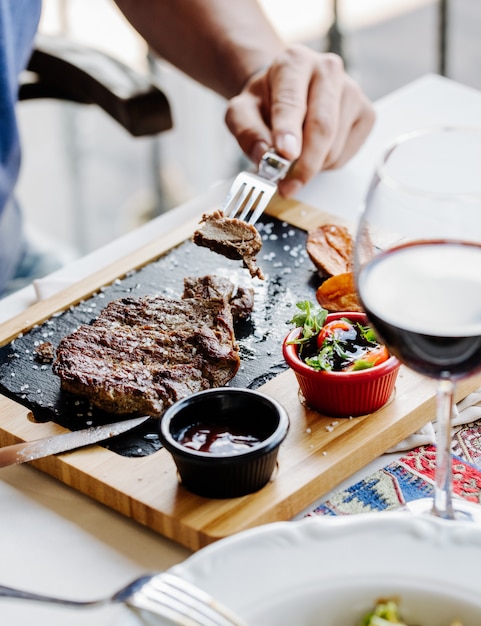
241, 299
233, 238
143, 354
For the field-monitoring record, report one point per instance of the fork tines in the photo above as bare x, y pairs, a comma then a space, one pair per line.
251, 192
184, 599
248, 197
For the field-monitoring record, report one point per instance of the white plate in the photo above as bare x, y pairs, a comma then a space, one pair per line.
329, 571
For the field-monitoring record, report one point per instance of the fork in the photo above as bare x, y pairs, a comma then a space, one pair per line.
165, 595
251, 192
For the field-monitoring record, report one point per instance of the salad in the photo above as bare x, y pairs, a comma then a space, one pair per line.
337, 345
386, 612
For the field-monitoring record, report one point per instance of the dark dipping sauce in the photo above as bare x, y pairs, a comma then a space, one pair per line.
216, 438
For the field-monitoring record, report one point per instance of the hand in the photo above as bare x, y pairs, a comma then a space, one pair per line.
307, 107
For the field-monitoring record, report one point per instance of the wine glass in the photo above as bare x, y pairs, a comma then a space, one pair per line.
418, 273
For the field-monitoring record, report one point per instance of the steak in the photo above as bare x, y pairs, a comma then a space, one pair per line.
241, 299
231, 237
143, 354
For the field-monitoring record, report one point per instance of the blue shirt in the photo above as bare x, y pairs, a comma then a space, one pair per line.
18, 25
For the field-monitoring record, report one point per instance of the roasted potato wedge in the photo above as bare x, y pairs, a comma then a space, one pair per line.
338, 293
330, 248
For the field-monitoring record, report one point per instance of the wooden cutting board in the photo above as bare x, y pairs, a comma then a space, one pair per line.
318, 454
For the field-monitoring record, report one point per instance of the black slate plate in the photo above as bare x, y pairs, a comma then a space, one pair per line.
290, 277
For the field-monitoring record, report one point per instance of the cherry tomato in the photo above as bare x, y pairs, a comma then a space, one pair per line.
375, 356
337, 329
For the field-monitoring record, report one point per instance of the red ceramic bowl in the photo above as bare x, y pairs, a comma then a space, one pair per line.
342, 394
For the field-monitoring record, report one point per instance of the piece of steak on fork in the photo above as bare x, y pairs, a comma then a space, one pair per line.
231, 237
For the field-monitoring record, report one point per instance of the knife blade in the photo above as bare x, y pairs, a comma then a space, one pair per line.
39, 448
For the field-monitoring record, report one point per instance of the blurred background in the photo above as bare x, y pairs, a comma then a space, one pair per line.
85, 180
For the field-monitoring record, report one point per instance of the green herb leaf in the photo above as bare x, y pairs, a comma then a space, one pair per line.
322, 361
367, 332
384, 613
310, 318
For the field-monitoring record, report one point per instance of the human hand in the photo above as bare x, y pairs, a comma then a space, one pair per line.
307, 107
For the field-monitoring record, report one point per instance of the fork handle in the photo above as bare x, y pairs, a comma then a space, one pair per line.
11, 592
272, 166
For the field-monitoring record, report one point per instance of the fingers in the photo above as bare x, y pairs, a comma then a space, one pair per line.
289, 83
272, 107
321, 124
356, 120
308, 108
339, 118
246, 118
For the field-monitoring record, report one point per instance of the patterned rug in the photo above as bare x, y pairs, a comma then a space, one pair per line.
412, 477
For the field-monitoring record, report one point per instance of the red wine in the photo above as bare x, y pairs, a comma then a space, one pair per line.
424, 301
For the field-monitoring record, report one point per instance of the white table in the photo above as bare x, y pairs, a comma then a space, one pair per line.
55, 540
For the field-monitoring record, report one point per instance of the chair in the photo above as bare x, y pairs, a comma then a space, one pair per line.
63, 69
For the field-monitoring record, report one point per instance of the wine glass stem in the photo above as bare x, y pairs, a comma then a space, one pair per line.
442, 504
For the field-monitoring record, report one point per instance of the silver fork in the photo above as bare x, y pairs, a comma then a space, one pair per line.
251, 192
166, 595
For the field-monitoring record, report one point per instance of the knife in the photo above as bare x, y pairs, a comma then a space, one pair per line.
39, 448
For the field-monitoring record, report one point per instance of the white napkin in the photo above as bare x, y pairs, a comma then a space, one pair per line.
464, 412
